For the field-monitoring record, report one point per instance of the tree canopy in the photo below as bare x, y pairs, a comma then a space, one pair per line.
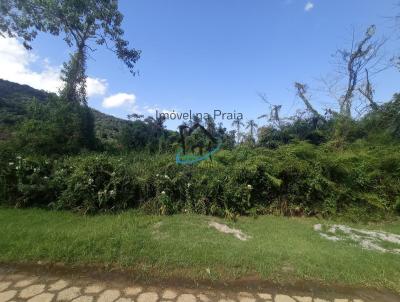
78, 20
82, 24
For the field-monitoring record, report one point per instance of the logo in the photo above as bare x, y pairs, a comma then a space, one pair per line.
211, 146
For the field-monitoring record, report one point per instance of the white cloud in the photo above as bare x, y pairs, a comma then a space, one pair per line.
96, 86
25, 67
15, 63
16, 66
118, 100
154, 109
309, 6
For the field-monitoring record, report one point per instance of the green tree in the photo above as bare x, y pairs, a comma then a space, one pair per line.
210, 125
237, 123
135, 136
83, 25
52, 127
228, 138
252, 126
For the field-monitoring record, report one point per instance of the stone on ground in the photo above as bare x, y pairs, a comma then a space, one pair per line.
58, 285
25, 283
93, 289
4, 285
169, 294
69, 294
148, 297
284, 298
303, 299
203, 298
265, 296
109, 295
133, 291
186, 298
47, 297
31, 291
8, 295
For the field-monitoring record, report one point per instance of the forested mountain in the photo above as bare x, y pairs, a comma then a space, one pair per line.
15, 100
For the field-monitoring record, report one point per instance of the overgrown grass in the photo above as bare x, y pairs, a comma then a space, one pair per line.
281, 249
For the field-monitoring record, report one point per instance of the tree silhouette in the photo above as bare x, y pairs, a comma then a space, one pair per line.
237, 123
252, 126
273, 116
355, 63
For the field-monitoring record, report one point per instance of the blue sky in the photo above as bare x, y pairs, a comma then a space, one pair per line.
206, 55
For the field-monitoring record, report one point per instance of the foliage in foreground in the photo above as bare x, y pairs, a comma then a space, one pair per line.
363, 180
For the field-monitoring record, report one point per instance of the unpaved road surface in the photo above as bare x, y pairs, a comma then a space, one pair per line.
38, 285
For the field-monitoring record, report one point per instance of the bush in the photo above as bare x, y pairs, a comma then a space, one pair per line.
26, 181
53, 128
295, 179
95, 183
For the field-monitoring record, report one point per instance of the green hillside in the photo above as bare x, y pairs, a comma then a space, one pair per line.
15, 100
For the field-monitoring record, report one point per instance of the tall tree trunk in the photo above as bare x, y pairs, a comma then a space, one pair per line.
74, 77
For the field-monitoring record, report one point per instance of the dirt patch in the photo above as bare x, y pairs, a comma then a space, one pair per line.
370, 240
223, 228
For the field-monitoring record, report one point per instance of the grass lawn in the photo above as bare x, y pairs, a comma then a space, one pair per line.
281, 249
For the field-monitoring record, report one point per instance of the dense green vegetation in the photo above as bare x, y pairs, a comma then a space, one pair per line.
17, 103
43, 115
343, 168
297, 179
57, 153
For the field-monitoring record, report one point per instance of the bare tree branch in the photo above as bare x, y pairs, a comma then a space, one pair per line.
368, 92
273, 116
301, 92
354, 64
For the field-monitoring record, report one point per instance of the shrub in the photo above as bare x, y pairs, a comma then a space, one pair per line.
295, 179
95, 183
27, 182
